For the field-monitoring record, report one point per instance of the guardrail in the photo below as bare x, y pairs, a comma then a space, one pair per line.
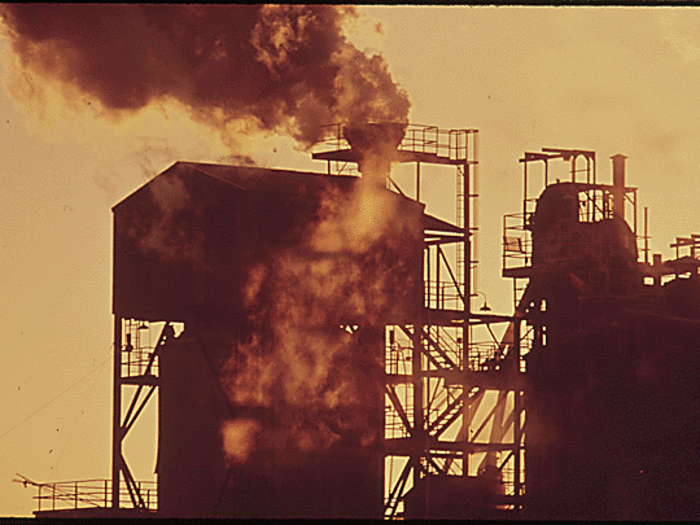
452, 144
91, 493
517, 242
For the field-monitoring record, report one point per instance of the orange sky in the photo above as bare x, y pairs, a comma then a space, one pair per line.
614, 80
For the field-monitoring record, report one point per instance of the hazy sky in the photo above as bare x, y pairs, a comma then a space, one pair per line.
614, 80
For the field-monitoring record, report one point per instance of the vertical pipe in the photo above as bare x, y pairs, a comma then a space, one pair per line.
429, 286
116, 411
468, 303
635, 212
437, 277
467, 255
619, 184
646, 235
525, 194
503, 262
546, 173
417, 379
517, 418
418, 181
418, 420
474, 217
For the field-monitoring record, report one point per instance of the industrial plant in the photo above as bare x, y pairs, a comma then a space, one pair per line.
317, 347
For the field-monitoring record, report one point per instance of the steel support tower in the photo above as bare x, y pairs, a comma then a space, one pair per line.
454, 411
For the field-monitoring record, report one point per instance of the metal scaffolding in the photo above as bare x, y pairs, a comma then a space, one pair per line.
454, 395
454, 411
135, 381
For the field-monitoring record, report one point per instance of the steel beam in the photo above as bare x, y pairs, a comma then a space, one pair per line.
116, 410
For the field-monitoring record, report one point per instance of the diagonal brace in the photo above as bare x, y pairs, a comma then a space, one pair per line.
399, 408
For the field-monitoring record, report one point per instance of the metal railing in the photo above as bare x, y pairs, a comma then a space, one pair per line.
451, 144
484, 356
447, 143
517, 241
443, 295
91, 493
138, 349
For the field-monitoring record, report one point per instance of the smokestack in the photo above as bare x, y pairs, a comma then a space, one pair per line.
377, 145
619, 185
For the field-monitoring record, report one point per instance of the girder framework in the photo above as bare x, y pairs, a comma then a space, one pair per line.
454, 402
454, 389
135, 381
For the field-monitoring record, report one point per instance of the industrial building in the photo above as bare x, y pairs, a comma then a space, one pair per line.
612, 410
316, 353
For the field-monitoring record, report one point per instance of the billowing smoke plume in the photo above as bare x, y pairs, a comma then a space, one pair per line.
278, 68
282, 69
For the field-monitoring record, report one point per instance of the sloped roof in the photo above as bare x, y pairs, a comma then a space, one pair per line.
250, 178
264, 179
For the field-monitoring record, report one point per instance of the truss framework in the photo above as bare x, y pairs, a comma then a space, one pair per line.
135, 381
454, 394
454, 390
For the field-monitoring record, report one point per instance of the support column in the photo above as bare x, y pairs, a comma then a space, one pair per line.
517, 419
418, 181
466, 190
525, 195
116, 411
418, 438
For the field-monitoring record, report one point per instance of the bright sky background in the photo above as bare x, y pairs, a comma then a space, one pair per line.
614, 80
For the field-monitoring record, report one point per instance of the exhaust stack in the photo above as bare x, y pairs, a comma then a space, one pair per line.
377, 145
619, 185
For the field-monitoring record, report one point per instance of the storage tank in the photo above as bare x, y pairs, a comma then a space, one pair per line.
613, 400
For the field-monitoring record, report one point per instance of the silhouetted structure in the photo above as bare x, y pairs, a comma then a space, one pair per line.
185, 246
613, 408
586, 407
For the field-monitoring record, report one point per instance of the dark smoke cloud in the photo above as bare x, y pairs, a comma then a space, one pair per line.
288, 68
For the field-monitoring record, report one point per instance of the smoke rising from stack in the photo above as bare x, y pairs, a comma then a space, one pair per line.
340, 277
279, 68
343, 272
